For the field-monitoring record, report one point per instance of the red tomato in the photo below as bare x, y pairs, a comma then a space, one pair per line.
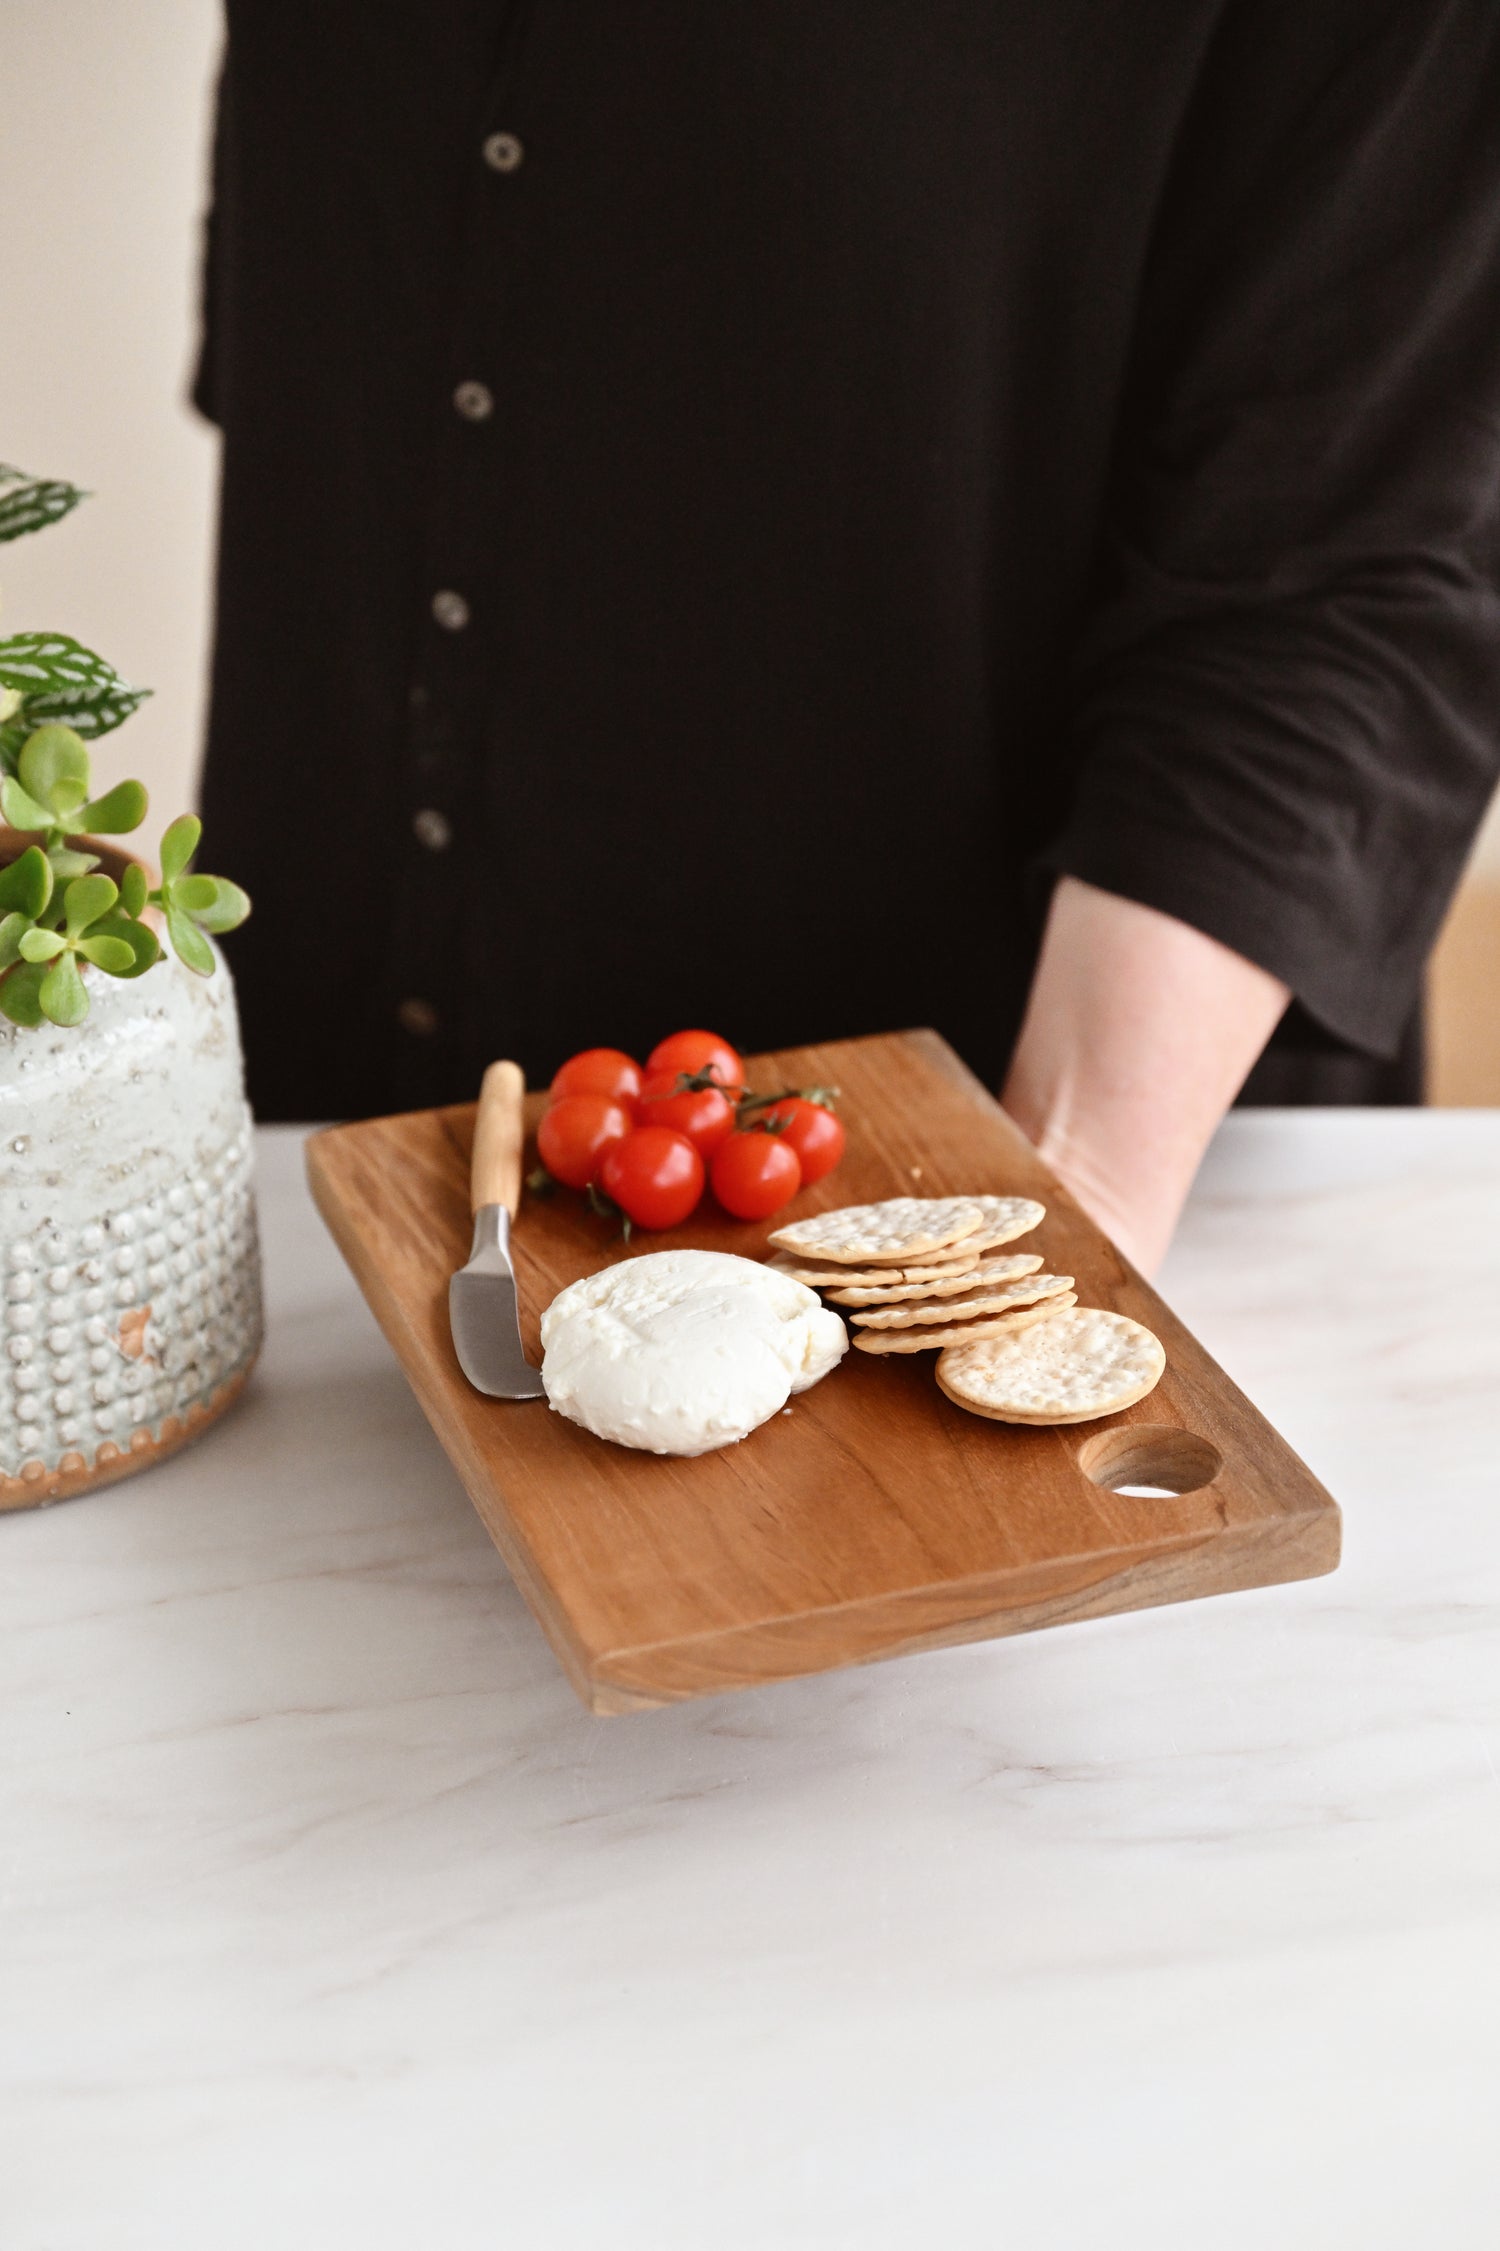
698, 1051
754, 1174
575, 1133
654, 1175
815, 1134
705, 1117
599, 1070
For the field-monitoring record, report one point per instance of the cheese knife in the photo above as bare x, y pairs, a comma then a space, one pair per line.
482, 1308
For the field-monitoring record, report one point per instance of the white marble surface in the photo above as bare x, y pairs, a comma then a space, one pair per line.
327, 1916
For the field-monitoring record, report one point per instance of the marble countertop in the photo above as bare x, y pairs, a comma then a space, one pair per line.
328, 1917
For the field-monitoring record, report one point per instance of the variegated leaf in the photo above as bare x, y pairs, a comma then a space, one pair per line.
13, 734
91, 714
65, 683
44, 663
30, 507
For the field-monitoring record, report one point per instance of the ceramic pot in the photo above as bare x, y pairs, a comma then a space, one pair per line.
130, 1309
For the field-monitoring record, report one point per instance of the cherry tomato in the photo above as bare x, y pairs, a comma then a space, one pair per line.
599, 1070
706, 1117
698, 1051
654, 1175
815, 1134
754, 1174
575, 1133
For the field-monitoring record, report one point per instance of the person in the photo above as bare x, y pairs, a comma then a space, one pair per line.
976, 512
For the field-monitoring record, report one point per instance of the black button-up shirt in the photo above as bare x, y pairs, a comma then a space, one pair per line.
723, 497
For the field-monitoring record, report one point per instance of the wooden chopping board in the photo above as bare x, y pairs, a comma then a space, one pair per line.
874, 1519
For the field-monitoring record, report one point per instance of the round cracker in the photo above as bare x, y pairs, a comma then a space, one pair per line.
964, 1261
907, 1228
989, 1297
895, 1231
906, 1292
986, 1325
1073, 1368
998, 1231
1006, 1217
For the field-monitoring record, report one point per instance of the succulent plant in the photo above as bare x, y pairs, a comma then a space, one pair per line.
58, 915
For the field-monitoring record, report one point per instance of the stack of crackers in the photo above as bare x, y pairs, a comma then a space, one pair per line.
918, 1275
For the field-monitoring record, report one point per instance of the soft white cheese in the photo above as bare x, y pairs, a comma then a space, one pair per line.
681, 1351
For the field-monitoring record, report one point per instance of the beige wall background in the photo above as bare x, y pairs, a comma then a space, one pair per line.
103, 162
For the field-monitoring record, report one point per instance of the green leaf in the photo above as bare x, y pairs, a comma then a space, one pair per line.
36, 503
66, 864
63, 684
62, 996
133, 888
195, 894
88, 712
13, 928
230, 905
145, 948
88, 897
55, 769
27, 882
13, 733
41, 945
54, 664
21, 809
21, 995
179, 844
117, 811
116, 956
188, 942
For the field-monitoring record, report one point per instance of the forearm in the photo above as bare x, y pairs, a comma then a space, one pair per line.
1138, 1035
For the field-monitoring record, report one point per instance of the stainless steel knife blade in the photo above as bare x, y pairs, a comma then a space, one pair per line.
485, 1317
483, 1311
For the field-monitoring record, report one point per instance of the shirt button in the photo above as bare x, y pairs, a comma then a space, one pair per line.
450, 610
432, 828
475, 401
503, 152
418, 1017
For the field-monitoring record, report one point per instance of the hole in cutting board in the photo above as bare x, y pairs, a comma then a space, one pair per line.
1151, 1461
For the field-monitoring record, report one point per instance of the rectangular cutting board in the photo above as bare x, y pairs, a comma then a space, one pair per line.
874, 1519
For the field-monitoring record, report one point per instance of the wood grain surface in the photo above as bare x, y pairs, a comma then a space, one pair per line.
876, 1518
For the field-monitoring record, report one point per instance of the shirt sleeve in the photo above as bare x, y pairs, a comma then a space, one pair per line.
1288, 686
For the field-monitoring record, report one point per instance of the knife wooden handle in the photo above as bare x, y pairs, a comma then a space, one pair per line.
495, 1167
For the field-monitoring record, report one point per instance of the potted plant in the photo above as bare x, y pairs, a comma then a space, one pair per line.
129, 1278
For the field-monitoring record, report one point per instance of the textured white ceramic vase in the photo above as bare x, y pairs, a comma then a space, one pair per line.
129, 1276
